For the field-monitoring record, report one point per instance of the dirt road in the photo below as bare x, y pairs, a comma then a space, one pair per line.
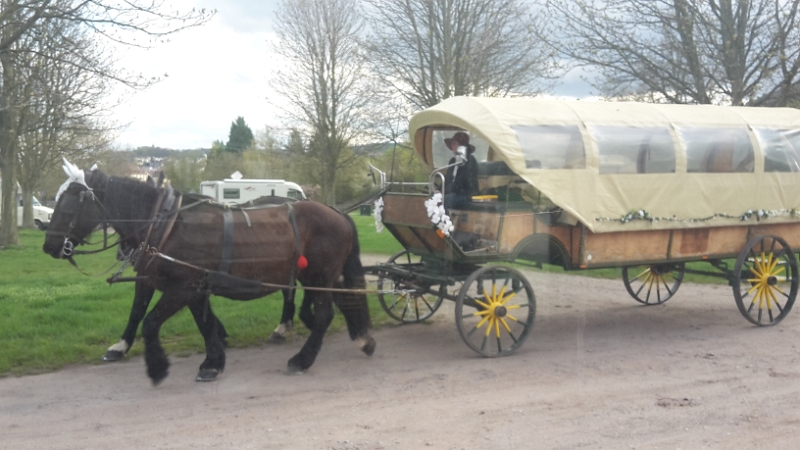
598, 371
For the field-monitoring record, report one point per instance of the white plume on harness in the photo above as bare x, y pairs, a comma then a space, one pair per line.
74, 175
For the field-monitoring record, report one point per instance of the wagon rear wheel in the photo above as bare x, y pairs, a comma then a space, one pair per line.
411, 301
653, 284
765, 275
495, 310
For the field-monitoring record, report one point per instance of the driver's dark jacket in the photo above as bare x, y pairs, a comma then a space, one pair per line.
465, 181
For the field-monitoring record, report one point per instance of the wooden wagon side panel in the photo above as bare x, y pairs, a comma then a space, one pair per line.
790, 232
406, 210
698, 243
517, 226
619, 248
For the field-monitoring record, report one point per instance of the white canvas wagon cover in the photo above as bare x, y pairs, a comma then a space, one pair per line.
636, 166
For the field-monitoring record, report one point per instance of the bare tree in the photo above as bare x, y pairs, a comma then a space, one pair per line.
60, 117
430, 50
325, 82
130, 22
740, 52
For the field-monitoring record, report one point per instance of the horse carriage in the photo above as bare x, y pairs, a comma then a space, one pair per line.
585, 185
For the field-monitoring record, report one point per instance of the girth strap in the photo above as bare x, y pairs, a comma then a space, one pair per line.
293, 270
227, 241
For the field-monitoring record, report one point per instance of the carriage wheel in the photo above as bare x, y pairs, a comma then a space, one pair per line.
765, 275
654, 284
411, 302
495, 310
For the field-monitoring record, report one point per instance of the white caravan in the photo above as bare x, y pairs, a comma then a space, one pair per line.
41, 214
239, 190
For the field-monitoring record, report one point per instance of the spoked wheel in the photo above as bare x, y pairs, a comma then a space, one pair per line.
495, 310
411, 301
765, 276
653, 284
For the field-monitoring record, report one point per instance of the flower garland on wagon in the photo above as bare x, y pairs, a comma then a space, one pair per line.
760, 214
378, 214
438, 215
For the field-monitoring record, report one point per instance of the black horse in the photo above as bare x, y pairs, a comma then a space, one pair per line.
259, 248
144, 292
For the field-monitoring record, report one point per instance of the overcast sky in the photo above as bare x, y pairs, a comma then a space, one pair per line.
214, 74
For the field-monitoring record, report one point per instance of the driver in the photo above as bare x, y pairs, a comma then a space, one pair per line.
461, 181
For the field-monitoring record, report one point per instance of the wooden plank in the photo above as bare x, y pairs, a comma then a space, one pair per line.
483, 223
790, 232
625, 247
406, 238
405, 209
693, 242
726, 240
517, 226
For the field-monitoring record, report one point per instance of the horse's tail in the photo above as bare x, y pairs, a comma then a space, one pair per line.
354, 305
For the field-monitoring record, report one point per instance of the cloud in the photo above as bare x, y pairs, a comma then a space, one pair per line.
215, 73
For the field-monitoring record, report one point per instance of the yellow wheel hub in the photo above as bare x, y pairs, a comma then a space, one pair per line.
496, 311
765, 281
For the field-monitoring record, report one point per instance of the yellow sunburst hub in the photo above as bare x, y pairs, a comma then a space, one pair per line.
765, 273
495, 312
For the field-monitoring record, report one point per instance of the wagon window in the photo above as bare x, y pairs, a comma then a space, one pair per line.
634, 150
551, 146
718, 150
442, 154
781, 149
230, 193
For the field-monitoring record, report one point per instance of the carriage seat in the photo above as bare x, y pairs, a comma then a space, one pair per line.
494, 168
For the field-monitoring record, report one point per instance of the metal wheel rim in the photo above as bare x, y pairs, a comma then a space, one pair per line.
406, 307
653, 284
765, 275
489, 334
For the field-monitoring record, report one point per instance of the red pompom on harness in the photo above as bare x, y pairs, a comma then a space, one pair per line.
302, 262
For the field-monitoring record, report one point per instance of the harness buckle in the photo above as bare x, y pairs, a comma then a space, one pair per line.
68, 247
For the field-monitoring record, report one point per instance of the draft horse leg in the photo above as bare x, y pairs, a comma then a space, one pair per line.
171, 301
208, 324
143, 294
318, 324
287, 318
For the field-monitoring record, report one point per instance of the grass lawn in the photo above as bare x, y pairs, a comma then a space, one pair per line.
51, 315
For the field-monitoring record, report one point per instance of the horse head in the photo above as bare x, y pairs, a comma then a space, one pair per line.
77, 213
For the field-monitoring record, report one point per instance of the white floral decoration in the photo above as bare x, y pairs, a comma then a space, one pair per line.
378, 214
438, 215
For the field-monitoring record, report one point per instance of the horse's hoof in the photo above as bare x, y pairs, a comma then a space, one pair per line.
158, 379
207, 375
295, 370
277, 338
113, 355
366, 344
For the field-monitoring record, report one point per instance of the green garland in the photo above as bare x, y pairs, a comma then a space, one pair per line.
761, 214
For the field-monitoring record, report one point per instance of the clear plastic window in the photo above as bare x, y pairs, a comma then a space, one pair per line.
442, 154
781, 149
719, 150
551, 146
634, 150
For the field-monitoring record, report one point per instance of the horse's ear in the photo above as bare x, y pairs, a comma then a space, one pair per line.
151, 181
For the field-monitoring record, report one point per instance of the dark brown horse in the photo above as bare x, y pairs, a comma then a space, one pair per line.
201, 251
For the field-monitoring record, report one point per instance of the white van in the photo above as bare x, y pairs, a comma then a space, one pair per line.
41, 214
238, 190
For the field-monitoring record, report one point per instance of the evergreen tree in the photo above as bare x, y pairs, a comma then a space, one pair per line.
240, 137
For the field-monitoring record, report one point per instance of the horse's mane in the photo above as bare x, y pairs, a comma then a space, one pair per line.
127, 201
